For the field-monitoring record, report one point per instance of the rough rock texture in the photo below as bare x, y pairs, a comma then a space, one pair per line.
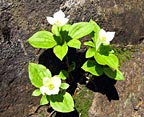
128, 97
123, 16
19, 19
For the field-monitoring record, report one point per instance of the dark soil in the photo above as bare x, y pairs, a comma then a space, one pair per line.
19, 19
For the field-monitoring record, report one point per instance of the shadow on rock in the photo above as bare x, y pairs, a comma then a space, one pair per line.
59, 114
71, 114
48, 59
105, 86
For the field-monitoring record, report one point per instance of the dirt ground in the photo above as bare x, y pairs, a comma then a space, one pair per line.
19, 19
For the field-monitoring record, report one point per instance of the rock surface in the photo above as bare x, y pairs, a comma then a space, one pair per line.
130, 93
19, 19
125, 17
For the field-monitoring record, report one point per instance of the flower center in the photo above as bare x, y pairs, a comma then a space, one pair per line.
103, 39
58, 23
51, 86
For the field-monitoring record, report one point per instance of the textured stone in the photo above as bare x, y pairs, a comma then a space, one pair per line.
19, 19
125, 17
130, 93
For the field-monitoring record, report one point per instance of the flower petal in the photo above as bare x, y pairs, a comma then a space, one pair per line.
63, 21
52, 92
110, 36
56, 81
106, 37
45, 81
43, 90
102, 33
51, 20
59, 14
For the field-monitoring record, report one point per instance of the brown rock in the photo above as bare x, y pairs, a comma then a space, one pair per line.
19, 19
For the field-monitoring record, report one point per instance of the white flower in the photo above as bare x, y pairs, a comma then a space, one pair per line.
58, 19
106, 37
50, 85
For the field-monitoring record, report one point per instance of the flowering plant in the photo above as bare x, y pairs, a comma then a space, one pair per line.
52, 89
101, 59
50, 85
58, 19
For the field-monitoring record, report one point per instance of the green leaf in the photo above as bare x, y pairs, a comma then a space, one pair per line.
90, 52
64, 33
95, 34
96, 40
105, 50
66, 27
36, 92
55, 30
57, 36
79, 30
96, 26
111, 60
44, 100
42, 39
72, 67
63, 74
116, 74
74, 43
36, 73
62, 103
89, 43
64, 85
61, 51
119, 75
92, 67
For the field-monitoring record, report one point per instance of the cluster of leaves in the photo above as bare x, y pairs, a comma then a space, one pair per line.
61, 38
105, 61
62, 102
100, 59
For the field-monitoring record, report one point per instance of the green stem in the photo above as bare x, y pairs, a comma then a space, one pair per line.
59, 29
98, 45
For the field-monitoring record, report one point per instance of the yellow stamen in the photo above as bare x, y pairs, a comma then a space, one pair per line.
51, 86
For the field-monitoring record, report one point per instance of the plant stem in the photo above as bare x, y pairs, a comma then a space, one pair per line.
67, 61
50, 115
59, 29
